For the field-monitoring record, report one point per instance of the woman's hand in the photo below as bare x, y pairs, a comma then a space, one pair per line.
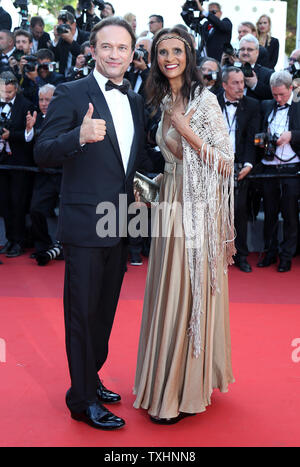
181, 122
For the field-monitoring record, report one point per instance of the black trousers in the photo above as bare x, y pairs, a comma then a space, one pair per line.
93, 280
45, 196
241, 217
15, 190
281, 195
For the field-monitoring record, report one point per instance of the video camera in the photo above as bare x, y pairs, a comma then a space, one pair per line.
187, 14
268, 143
23, 5
141, 53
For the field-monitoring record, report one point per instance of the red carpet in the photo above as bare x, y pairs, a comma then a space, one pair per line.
261, 408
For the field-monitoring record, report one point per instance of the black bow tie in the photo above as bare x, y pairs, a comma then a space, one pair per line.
123, 88
281, 107
232, 103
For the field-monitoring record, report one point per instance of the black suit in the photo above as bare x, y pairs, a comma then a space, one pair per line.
262, 90
63, 48
282, 194
273, 52
247, 124
15, 185
94, 266
5, 19
220, 35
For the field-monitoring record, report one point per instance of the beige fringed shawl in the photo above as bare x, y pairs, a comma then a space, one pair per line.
208, 215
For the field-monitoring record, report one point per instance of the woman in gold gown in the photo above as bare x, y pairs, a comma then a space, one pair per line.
184, 347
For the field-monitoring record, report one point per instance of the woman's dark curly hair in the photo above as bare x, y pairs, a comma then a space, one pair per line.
157, 86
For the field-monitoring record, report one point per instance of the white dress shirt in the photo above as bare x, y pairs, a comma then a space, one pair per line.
229, 114
120, 110
278, 125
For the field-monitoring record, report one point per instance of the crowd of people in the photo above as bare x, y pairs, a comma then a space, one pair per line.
253, 100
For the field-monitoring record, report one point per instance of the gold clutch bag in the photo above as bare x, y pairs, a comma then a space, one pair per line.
147, 188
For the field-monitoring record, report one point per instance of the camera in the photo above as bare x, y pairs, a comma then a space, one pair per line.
31, 63
47, 66
18, 54
63, 28
294, 70
4, 122
213, 75
141, 53
23, 5
268, 143
229, 50
191, 5
246, 68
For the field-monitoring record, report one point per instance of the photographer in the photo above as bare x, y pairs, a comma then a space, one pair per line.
7, 48
140, 67
281, 122
15, 185
107, 11
257, 77
216, 31
246, 27
210, 74
242, 117
87, 20
40, 38
84, 63
68, 38
46, 186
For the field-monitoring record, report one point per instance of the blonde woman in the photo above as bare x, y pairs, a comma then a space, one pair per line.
265, 39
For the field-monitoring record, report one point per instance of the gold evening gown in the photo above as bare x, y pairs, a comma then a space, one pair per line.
169, 378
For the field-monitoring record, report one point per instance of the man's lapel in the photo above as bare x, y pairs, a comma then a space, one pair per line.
137, 124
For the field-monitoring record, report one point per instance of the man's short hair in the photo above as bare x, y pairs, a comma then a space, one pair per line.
250, 38
112, 21
23, 32
7, 77
112, 8
36, 20
46, 88
226, 72
159, 18
281, 78
42, 54
217, 5
8, 33
249, 25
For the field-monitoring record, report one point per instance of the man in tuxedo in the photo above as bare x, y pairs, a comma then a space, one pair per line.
15, 185
66, 46
281, 117
95, 129
241, 114
258, 85
216, 31
40, 38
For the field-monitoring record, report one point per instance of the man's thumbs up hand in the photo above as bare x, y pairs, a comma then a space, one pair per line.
92, 130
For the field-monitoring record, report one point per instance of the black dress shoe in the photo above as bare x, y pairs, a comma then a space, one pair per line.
14, 251
170, 421
243, 265
99, 417
267, 261
284, 265
106, 396
6, 247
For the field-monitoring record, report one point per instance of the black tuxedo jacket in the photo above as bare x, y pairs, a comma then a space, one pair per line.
294, 121
62, 49
94, 173
247, 124
273, 52
220, 35
21, 151
44, 41
263, 88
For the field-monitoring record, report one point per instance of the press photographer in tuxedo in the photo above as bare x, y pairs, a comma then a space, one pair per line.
94, 128
281, 118
241, 114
